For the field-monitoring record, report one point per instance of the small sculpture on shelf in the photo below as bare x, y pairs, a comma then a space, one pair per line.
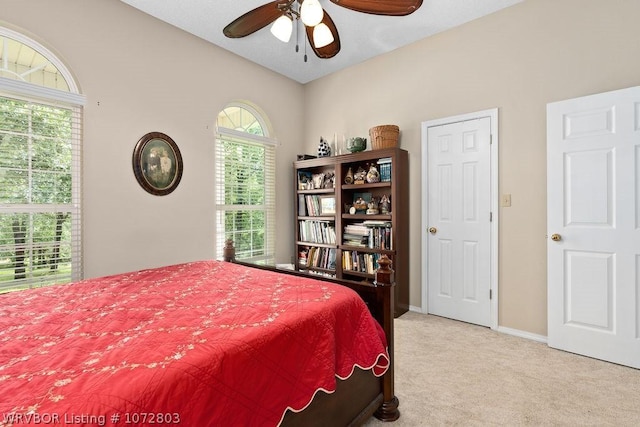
324, 149
373, 175
385, 204
356, 144
348, 179
302, 257
318, 180
329, 180
360, 176
372, 207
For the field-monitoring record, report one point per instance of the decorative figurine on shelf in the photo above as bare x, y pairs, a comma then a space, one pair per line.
372, 207
318, 180
360, 176
348, 179
357, 144
329, 180
373, 175
324, 149
385, 205
360, 205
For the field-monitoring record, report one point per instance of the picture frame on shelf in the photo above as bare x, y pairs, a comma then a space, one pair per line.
360, 202
305, 180
364, 196
327, 205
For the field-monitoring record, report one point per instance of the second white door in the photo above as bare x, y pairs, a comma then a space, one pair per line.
593, 185
459, 220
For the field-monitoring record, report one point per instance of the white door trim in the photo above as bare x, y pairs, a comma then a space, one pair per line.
493, 115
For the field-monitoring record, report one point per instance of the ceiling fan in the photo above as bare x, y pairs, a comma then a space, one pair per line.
321, 31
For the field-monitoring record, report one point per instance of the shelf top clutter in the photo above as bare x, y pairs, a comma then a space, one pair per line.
384, 153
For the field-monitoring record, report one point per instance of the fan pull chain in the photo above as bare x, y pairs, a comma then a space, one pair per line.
297, 36
298, 23
305, 47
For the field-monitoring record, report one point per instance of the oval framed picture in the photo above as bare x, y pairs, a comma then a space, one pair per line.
157, 163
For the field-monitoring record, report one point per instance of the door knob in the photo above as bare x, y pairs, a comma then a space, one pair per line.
433, 230
556, 237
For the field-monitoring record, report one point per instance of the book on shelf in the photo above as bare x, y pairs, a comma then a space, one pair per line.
324, 258
355, 235
313, 205
331, 265
376, 223
380, 237
356, 228
359, 261
317, 231
374, 234
384, 169
302, 205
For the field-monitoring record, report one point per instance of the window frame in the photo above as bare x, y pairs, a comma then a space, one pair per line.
73, 101
228, 135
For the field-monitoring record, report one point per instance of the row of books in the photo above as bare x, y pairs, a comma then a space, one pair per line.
308, 205
369, 234
315, 257
384, 168
360, 261
317, 231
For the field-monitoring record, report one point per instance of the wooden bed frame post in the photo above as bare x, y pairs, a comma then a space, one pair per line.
229, 251
385, 279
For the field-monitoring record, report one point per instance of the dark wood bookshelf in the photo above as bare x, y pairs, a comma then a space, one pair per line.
394, 184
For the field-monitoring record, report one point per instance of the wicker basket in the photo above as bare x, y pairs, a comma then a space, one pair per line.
384, 136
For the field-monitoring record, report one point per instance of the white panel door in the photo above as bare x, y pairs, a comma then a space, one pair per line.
593, 217
459, 240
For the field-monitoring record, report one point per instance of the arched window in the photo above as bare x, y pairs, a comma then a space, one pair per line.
40, 138
245, 184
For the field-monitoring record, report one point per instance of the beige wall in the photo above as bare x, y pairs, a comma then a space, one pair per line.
516, 60
141, 75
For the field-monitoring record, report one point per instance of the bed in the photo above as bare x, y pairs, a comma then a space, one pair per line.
209, 343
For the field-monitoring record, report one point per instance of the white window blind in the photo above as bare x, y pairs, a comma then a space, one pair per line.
40, 215
245, 194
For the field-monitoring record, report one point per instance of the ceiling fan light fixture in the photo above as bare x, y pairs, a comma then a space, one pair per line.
322, 36
311, 13
282, 28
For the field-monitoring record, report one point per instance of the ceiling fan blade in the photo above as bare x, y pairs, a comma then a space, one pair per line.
254, 20
330, 50
381, 7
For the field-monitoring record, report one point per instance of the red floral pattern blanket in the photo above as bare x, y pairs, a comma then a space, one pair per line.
196, 344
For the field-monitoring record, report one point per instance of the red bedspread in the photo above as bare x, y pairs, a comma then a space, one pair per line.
197, 344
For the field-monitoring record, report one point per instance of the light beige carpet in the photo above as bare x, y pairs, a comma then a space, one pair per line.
453, 373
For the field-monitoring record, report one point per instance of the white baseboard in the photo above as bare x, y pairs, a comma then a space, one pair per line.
501, 329
522, 334
416, 309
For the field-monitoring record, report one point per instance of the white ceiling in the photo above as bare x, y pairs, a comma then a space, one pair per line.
362, 36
